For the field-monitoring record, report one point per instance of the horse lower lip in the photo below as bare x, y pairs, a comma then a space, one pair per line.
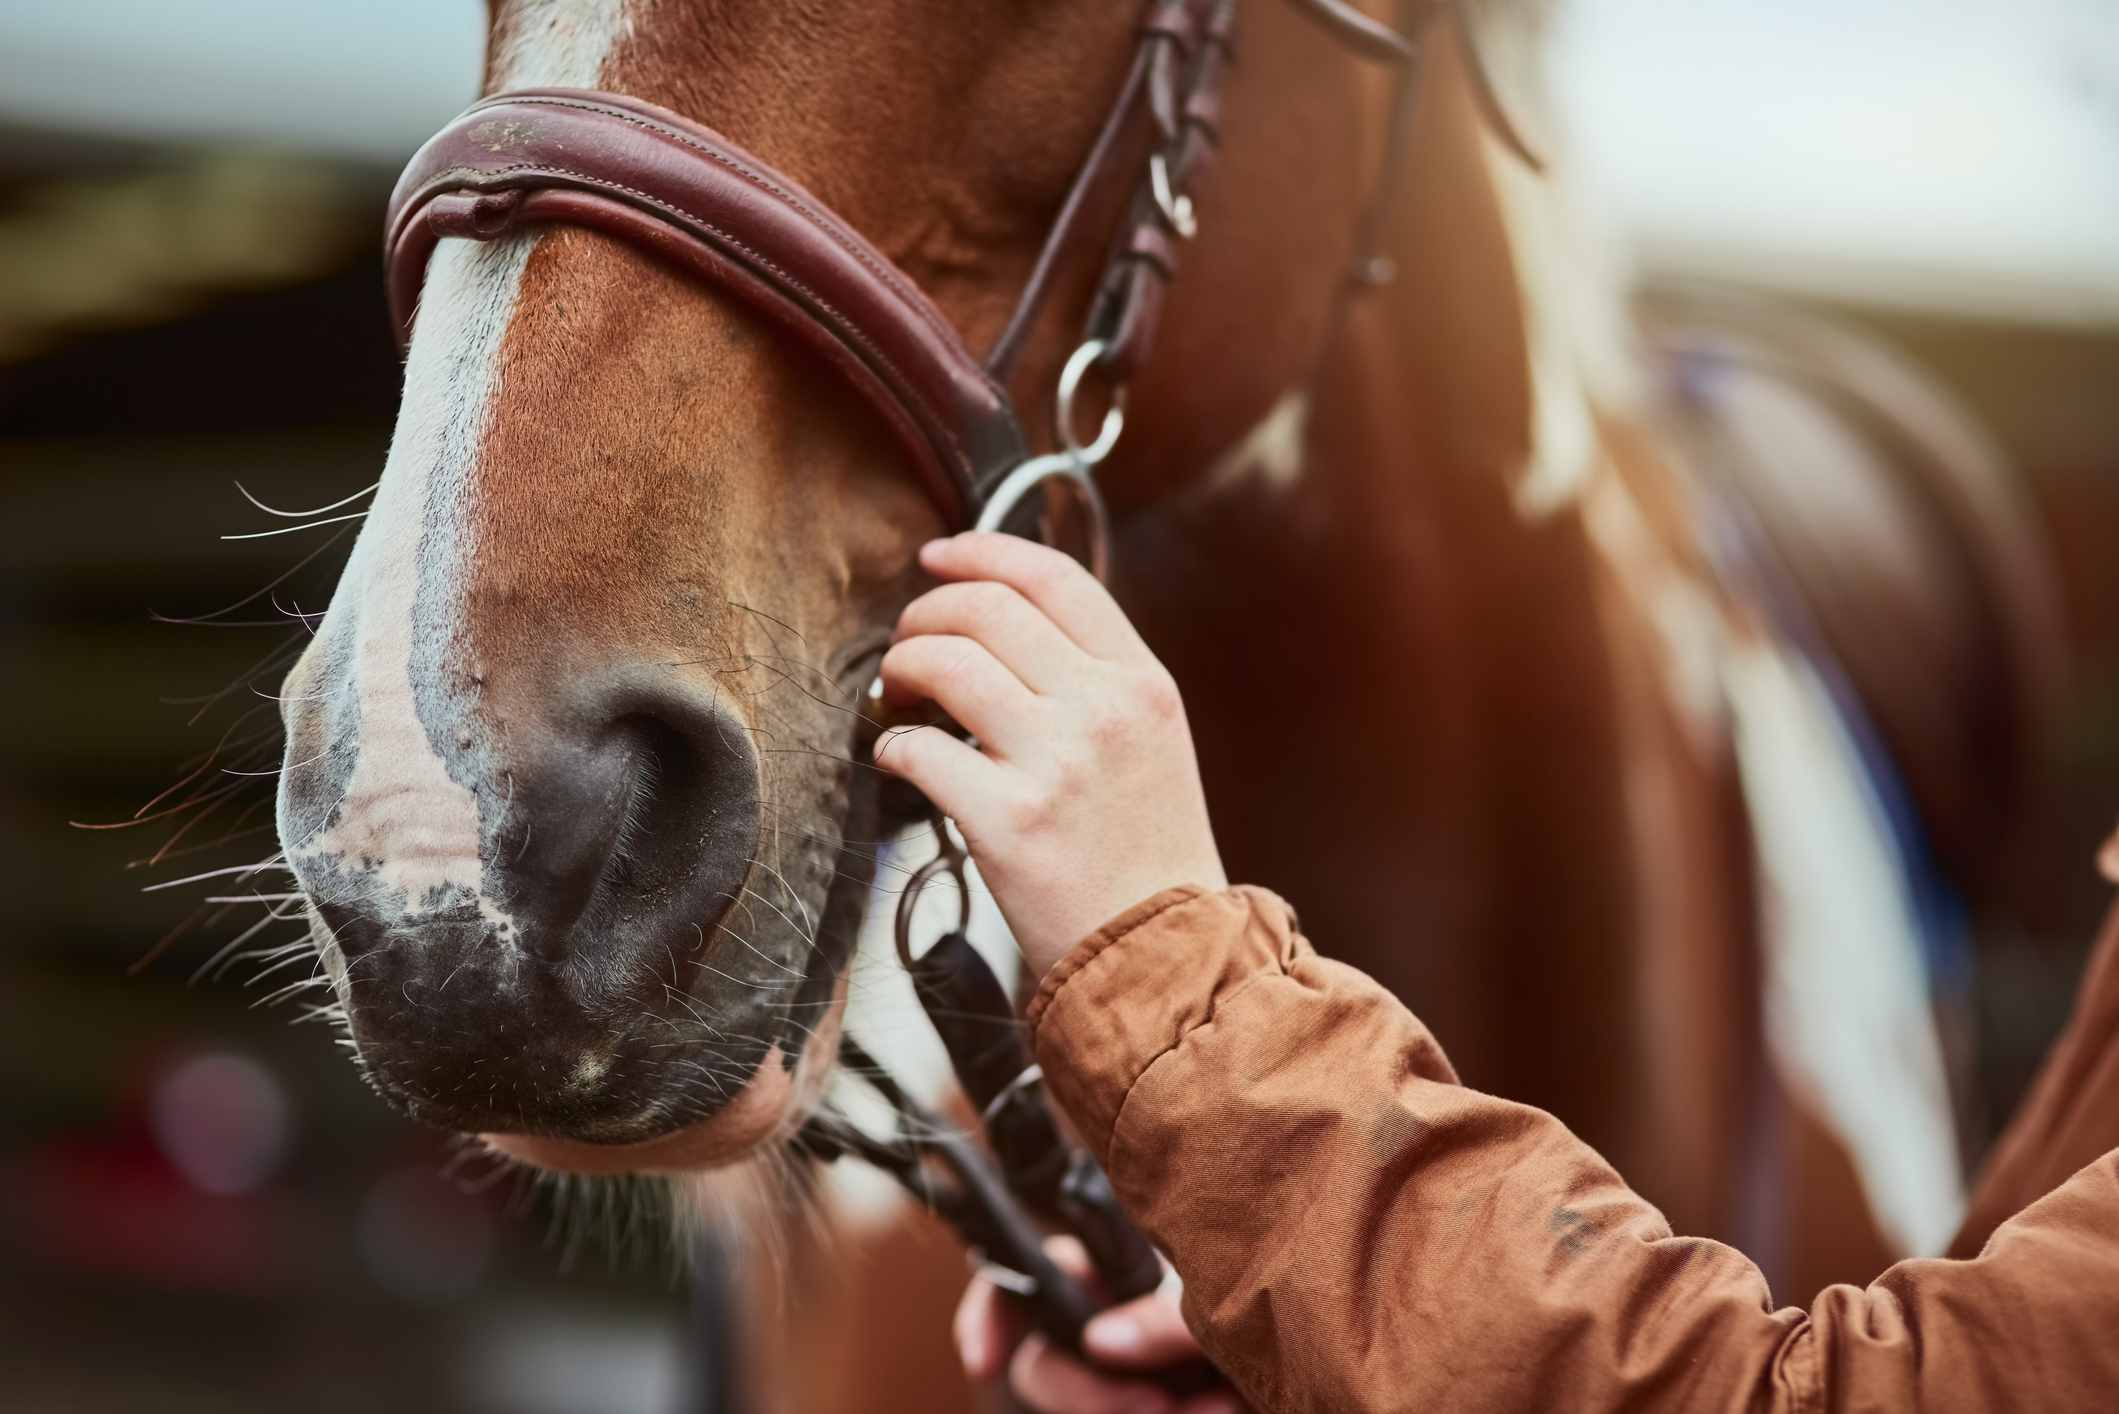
758, 1113
614, 1122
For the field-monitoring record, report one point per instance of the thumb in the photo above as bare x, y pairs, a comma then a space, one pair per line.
1144, 1334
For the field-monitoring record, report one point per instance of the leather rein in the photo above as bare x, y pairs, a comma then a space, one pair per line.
688, 195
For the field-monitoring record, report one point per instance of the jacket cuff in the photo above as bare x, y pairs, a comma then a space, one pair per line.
1136, 987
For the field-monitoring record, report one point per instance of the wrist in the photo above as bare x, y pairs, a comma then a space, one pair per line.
1044, 949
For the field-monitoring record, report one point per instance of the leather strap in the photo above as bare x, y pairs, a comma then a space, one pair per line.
1169, 32
687, 194
684, 192
1127, 309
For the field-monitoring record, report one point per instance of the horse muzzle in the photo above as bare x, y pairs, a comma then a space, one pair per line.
524, 912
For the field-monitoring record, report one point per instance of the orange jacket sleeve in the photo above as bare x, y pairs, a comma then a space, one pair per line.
2072, 1112
1357, 1231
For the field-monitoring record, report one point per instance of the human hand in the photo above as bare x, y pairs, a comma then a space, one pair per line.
1082, 795
1144, 1335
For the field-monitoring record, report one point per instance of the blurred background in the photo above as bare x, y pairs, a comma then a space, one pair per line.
205, 1208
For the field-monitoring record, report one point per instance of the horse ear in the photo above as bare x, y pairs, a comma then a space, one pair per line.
1503, 42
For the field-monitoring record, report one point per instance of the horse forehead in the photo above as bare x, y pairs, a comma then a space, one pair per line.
559, 43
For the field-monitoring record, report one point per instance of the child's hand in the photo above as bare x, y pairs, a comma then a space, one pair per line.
1129, 1343
1082, 795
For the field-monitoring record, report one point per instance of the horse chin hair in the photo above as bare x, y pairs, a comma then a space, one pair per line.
753, 1210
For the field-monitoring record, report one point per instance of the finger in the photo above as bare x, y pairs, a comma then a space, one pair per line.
1145, 1333
987, 1327
958, 675
997, 615
1053, 1382
1056, 583
961, 780
1070, 1256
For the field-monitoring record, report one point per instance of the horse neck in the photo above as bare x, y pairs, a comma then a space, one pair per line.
1365, 523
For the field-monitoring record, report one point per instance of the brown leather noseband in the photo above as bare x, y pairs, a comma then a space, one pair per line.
680, 190
685, 193
653, 179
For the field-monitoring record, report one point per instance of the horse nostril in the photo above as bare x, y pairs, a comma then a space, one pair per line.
634, 818
669, 777
516, 917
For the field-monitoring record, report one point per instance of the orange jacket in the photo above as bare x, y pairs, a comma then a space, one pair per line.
1358, 1231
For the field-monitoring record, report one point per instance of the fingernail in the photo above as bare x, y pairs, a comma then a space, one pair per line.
1114, 1335
976, 1356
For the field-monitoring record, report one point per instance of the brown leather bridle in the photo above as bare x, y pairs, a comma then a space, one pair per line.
688, 195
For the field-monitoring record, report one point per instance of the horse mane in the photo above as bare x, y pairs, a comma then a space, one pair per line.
1575, 277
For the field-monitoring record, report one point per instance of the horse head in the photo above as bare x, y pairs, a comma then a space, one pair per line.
571, 783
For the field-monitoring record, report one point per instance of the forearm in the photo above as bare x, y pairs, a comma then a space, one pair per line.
1357, 1231
2072, 1112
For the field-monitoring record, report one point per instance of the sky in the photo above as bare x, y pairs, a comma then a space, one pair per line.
1963, 152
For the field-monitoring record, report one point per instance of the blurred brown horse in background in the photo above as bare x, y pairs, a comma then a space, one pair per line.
1548, 687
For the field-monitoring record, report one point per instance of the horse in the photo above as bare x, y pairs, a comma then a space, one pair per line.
571, 788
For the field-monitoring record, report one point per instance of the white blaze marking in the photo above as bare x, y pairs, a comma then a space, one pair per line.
403, 810
560, 43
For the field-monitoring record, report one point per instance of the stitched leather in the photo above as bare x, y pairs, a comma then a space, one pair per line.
683, 192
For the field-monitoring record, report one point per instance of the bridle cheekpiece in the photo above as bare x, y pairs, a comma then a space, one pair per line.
687, 195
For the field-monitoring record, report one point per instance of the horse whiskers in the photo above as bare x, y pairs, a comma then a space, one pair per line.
805, 930
750, 918
800, 637
203, 846
784, 669
307, 620
227, 949
292, 989
301, 950
266, 664
689, 1004
280, 949
289, 954
169, 849
755, 986
195, 769
280, 770
763, 957
788, 678
256, 594
245, 493
296, 529
243, 870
